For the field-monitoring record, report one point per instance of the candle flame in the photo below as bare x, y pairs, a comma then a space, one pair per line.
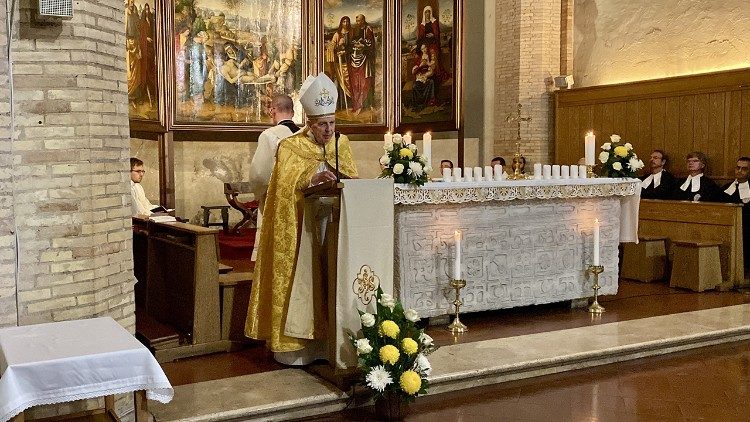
591, 133
457, 234
596, 221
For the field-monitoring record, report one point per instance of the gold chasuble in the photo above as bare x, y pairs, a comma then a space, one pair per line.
297, 160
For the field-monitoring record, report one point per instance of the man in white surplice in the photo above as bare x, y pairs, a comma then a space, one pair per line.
281, 111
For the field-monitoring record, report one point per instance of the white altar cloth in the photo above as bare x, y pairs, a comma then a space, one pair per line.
74, 360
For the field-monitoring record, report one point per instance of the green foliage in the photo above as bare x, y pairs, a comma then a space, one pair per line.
402, 163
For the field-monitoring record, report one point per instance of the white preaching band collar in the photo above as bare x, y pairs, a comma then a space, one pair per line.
695, 181
655, 178
744, 189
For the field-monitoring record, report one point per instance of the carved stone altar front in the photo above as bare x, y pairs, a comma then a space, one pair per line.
515, 252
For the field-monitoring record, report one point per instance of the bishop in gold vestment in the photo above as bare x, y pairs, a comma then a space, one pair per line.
302, 160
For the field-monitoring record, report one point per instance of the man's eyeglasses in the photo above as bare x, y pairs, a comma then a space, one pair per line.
139, 171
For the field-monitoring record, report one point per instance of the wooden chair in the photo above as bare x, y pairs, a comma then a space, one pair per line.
249, 210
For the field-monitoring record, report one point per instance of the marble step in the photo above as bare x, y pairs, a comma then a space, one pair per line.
293, 393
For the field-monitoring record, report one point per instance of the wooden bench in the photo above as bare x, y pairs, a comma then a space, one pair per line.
235, 298
646, 260
685, 221
696, 265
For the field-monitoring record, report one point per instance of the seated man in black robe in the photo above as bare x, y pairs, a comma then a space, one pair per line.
659, 183
738, 192
696, 187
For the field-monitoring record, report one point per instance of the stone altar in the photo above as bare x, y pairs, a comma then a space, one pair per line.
525, 242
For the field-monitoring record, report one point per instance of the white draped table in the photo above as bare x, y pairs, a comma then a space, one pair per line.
525, 242
74, 360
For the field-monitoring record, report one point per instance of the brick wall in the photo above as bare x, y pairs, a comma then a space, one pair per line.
7, 241
527, 57
70, 189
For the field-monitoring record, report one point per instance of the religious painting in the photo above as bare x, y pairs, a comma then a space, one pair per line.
142, 44
353, 51
428, 63
230, 57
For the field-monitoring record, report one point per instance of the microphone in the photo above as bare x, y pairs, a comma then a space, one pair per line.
336, 135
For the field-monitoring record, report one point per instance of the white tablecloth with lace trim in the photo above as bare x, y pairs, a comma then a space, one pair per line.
73, 360
525, 242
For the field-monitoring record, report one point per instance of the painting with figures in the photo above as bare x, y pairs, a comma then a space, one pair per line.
140, 59
427, 61
354, 58
232, 56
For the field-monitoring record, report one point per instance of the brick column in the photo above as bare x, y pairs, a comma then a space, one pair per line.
71, 180
527, 57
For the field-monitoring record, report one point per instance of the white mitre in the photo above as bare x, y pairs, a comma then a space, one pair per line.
318, 96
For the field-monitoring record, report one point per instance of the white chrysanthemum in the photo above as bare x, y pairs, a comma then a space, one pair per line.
615, 138
629, 146
388, 147
412, 315
421, 364
607, 146
425, 339
368, 320
634, 163
398, 139
415, 168
604, 156
363, 346
617, 165
412, 147
387, 301
398, 168
378, 378
423, 160
384, 160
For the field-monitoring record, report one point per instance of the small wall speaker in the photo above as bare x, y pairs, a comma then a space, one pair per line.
56, 8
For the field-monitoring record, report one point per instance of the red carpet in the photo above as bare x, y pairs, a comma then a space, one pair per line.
236, 246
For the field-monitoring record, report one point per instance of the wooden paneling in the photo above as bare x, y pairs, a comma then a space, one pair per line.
709, 113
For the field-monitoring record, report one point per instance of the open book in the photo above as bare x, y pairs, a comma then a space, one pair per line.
162, 209
162, 218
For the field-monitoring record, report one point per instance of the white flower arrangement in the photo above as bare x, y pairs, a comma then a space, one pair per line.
402, 162
619, 160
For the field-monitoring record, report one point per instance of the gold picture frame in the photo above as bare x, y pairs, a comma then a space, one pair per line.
227, 58
429, 37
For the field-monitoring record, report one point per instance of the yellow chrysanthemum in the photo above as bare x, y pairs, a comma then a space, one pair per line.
389, 354
405, 153
410, 382
409, 346
389, 329
621, 151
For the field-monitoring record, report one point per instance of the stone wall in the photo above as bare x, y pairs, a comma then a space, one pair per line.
71, 198
8, 314
622, 41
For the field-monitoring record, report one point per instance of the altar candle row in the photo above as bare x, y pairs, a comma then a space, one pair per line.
473, 174
556, 171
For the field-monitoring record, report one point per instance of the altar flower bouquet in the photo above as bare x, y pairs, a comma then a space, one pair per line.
392, 351
618, 159
402, 163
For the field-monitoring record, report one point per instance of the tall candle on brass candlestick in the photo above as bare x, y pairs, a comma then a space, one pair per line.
427, 148
457, 260
596, 242
590, 144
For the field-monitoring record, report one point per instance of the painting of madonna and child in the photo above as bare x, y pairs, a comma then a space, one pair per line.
354, 58
232, 56
427, 61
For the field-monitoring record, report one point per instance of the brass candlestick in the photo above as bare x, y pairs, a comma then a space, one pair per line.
590, 172
596, 308
457, 327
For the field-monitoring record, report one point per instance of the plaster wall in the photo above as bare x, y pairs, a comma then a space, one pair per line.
621, 41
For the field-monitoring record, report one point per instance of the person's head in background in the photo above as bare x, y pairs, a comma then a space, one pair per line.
521, 163
742, 170
446, 164
582, 161
696, 163
281, 108
136, 170
657, 161
497, 160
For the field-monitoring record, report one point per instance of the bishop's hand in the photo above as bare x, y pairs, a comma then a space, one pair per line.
322, 177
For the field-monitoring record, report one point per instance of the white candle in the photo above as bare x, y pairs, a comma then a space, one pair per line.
574, 172
499, 173
565, 172
427, 148
556, 171
388, 138
596, 242
547, 171
457, 174
446, 175
581, 172
488, 173
468, 174
478, 174
590, 144
457, 260
407, 138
